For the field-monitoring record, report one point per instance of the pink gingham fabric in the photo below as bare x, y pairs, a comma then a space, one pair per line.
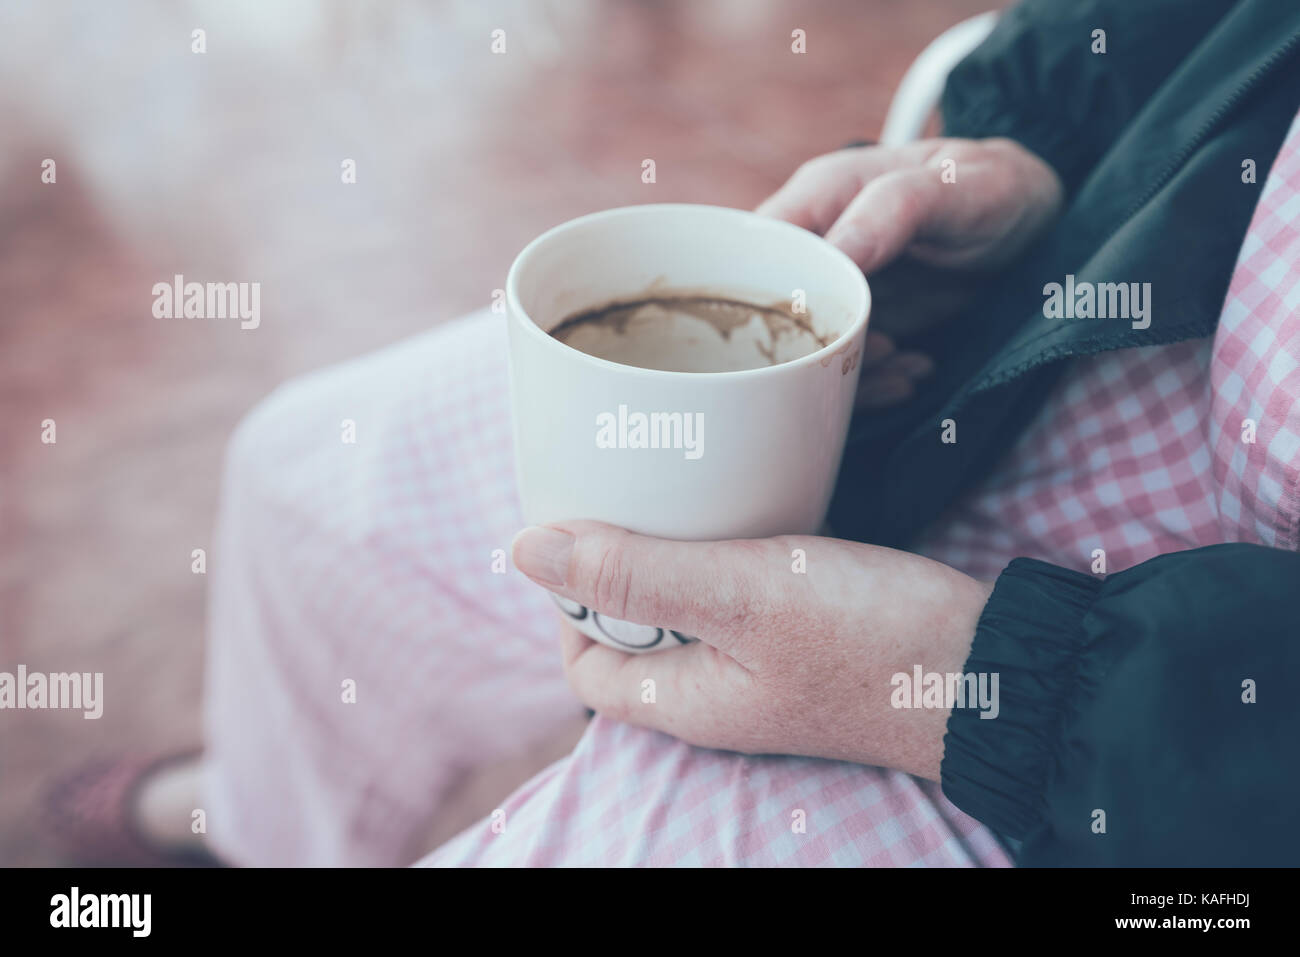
369, 566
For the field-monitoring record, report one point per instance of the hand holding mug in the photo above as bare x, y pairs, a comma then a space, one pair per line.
927, 222
788, 662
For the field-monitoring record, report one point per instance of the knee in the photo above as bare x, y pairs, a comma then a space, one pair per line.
269, 448
255, 437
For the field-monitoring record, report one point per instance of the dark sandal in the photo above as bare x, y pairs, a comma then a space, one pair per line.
88, 813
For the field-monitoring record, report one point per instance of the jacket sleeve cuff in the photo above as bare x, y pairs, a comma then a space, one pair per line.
1030, 634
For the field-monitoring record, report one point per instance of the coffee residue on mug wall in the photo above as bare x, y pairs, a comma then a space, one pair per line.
725, 314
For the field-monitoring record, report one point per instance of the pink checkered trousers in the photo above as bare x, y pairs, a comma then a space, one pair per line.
366, 569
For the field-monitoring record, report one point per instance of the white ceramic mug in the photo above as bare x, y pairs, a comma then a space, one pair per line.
768, 441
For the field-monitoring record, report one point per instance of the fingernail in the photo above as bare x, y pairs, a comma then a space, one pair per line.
886, 391
845, 237
543, 553
914, 365
850, 241
876, 347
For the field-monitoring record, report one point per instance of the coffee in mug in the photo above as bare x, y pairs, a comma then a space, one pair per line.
692, 332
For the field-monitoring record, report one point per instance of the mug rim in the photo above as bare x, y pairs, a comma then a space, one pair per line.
515, 307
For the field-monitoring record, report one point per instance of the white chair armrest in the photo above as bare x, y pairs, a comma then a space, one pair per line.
922, 86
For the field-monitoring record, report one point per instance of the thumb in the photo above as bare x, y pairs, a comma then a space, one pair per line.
886, 216
715, 591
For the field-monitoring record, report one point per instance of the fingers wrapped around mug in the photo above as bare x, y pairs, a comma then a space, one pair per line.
714, 591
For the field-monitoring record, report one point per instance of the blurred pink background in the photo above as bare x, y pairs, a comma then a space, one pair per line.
225, 166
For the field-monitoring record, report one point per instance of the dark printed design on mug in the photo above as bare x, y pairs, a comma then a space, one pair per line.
623, 634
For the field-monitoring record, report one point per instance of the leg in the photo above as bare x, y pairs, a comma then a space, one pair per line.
630, 797
364, 651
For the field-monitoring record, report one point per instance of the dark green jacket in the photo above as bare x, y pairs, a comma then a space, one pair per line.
1122, 695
